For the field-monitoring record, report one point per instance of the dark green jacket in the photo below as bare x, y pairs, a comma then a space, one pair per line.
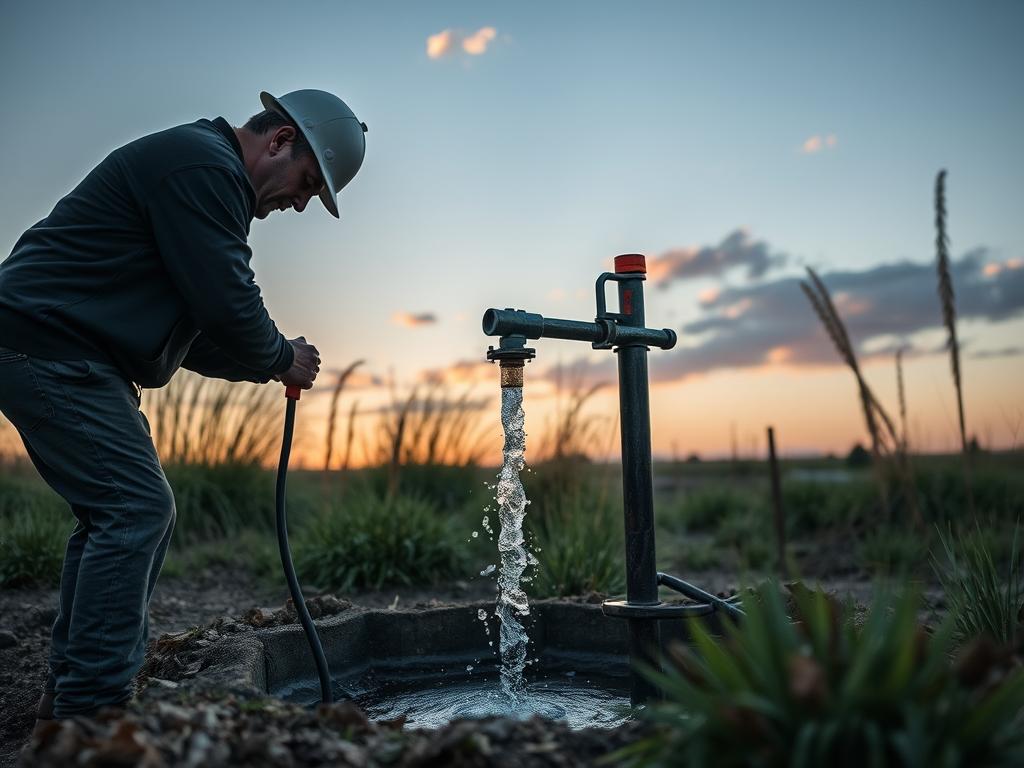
145, 265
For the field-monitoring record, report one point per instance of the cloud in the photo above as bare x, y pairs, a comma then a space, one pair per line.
986, 354
736, 250
440, 44
476, 44
772, 322
816, 143
410, 320
448, 41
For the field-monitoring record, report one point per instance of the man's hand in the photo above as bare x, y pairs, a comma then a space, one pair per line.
304, 368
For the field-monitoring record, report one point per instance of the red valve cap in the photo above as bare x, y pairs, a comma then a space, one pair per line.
631, 262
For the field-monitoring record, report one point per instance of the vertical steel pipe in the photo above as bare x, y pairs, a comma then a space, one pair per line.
638, 486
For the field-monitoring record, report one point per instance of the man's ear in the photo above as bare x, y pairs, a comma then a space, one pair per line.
282, 137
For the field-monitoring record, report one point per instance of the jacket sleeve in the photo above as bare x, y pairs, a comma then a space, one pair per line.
206, 358
200, 222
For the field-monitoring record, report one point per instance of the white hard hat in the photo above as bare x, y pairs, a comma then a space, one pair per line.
333, 132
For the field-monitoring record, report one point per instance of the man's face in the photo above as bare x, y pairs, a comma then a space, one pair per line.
282, 181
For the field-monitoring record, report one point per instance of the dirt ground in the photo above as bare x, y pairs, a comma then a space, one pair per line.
26, 616
29, 614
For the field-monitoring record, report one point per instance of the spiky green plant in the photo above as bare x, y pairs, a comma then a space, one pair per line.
832, 688
983, 600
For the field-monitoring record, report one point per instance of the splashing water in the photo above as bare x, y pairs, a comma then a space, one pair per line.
511, 497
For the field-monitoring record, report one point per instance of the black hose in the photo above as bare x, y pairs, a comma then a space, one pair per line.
286, 559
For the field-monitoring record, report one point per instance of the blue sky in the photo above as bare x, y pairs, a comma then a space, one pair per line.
582, 130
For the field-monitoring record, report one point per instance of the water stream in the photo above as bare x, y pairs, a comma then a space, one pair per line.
511, 498
583, 694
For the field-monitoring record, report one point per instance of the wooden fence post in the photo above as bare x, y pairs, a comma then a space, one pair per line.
779, 512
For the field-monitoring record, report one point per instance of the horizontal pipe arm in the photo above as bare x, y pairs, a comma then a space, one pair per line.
506, 322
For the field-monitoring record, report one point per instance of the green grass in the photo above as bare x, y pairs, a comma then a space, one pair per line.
32, 547
578, 539
749, 536
811, 506
253, 551
687, 555
893, 550
708, 508
34, 527
219, 501
983, 599
365, 541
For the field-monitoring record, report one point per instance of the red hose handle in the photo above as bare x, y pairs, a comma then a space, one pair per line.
292, 393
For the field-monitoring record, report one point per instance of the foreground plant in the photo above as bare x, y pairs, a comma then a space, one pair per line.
831, 688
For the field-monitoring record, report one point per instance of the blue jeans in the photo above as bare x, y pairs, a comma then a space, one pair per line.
82, 426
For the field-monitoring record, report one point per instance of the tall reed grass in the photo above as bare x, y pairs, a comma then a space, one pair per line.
332, 416
948, 301
430, 443
885, 441
196, 420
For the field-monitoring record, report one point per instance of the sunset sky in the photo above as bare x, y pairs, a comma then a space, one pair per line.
514, 149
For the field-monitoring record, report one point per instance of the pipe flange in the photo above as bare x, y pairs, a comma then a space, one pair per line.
498, 355
511, 348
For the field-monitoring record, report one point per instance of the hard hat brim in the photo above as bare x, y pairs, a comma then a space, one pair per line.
327, 195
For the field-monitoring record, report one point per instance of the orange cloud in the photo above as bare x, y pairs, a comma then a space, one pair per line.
440, 44
738, 309
410, 320
816, 143
476, 44
850, 305
736, 250
812, 145
448, 41
708, 295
